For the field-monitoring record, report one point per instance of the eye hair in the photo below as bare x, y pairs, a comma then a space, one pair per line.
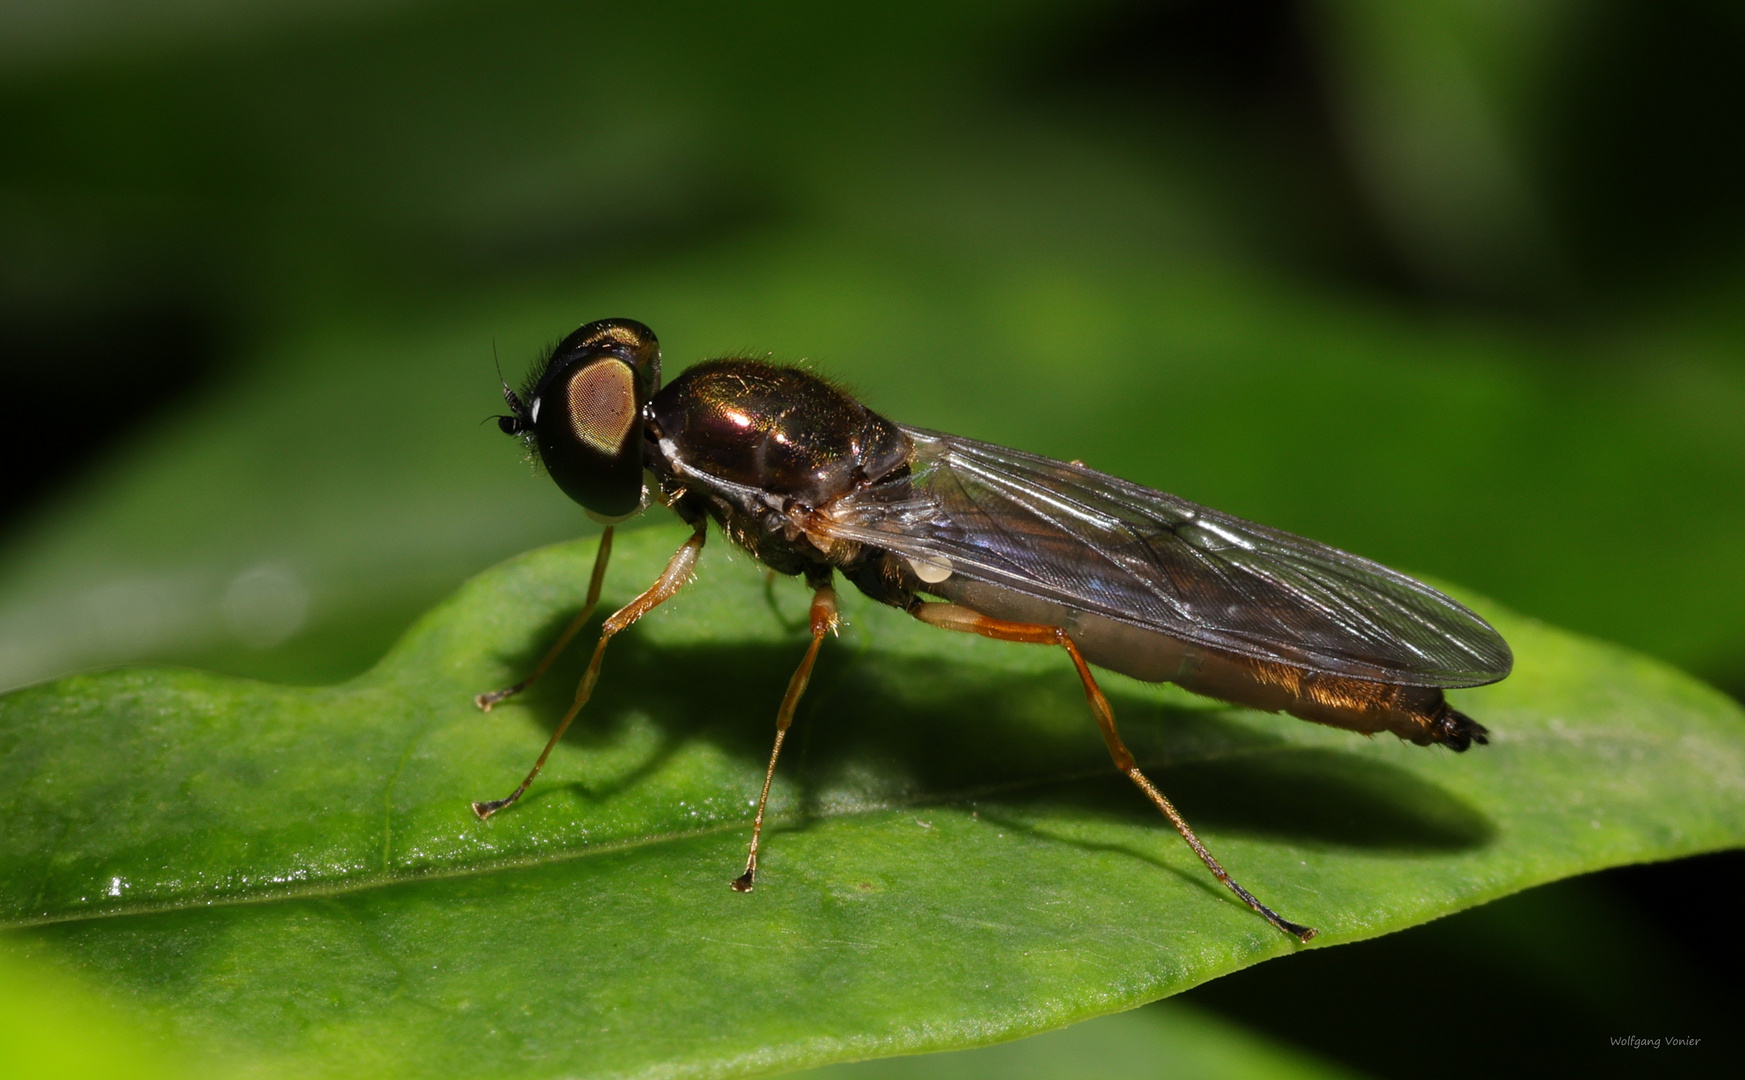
528, 395
541, 364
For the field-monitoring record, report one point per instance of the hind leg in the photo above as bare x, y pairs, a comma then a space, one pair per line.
953, 617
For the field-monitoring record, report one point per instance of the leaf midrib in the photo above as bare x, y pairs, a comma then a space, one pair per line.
365, 883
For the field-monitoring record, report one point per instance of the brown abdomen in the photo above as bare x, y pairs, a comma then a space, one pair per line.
1418, 714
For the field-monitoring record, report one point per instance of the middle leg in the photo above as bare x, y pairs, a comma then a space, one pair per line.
824, 620
966, 620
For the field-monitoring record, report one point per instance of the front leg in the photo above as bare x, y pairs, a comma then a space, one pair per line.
601, 556
676, 575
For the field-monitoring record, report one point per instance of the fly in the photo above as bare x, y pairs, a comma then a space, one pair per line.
977, 538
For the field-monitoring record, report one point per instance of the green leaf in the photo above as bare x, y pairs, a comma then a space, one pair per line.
294, 873
1167, 1039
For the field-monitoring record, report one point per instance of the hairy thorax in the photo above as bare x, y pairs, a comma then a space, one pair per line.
762, 448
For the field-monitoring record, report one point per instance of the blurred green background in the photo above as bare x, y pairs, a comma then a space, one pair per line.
1453, 284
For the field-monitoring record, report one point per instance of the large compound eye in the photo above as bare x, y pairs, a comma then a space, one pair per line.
602, 400
589, 430
585, 411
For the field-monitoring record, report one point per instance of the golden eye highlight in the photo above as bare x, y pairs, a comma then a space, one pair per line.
614, 334
602, 400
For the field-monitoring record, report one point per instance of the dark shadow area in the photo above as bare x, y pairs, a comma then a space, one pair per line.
1625, 146
1304, 796
965, 732
78, 383
1234, 91
1639, 145
1313, 796
1683, 899
1542, 981
1301, 796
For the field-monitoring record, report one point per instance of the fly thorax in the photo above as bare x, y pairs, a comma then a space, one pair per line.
779, 431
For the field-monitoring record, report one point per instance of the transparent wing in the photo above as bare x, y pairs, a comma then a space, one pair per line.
1094, 542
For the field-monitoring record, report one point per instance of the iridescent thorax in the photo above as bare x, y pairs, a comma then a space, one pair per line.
780, 429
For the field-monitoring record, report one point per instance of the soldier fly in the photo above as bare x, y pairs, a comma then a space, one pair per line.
968, 536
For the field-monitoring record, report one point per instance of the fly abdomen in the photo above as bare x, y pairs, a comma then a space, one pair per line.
1418, 714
